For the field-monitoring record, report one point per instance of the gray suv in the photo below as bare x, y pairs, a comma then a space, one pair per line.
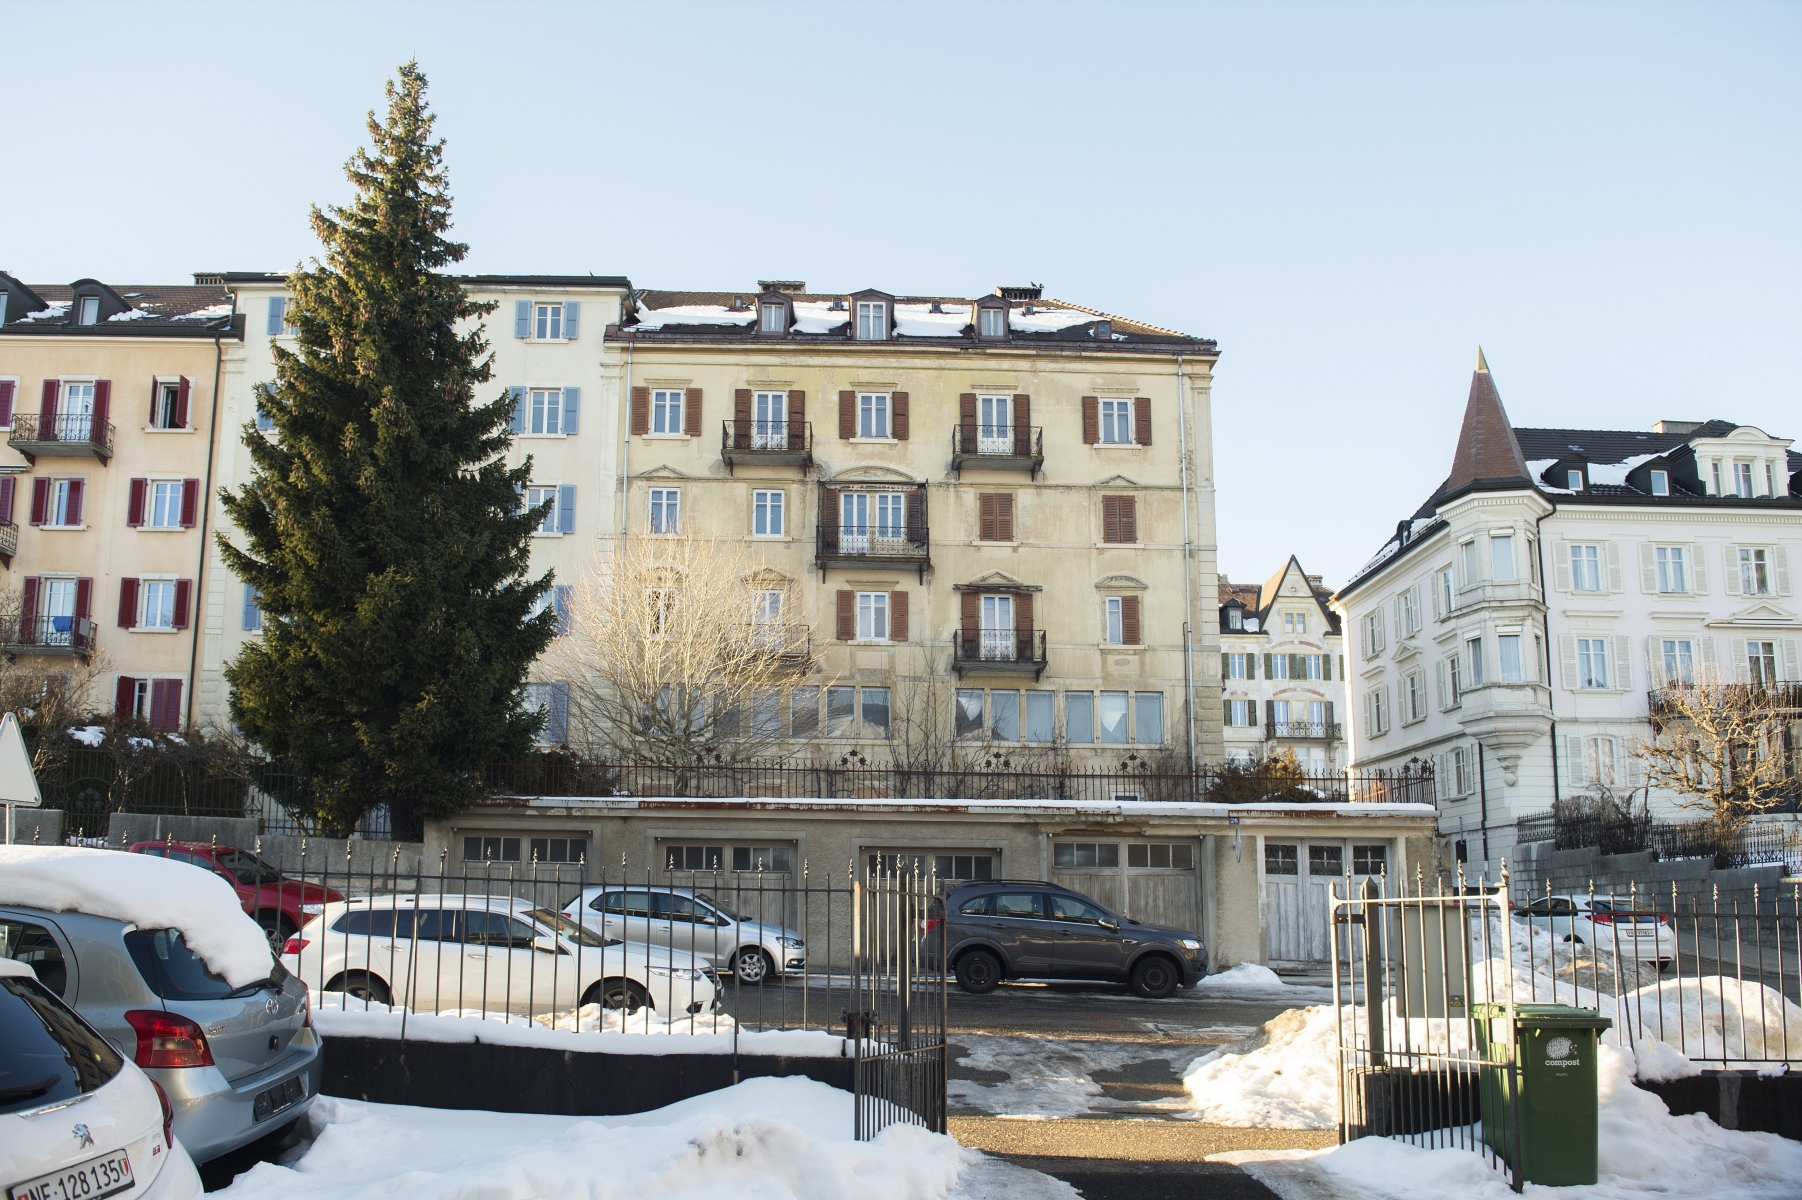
236, 1063
1028, 929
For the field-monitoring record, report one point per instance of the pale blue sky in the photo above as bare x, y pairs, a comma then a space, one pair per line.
1348, 197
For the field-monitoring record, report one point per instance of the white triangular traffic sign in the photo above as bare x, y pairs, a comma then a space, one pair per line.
18, 782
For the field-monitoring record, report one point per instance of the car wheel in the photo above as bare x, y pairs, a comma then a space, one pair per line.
277, 928
752, 966
979, 972
361, 985
1154, 977
623, 995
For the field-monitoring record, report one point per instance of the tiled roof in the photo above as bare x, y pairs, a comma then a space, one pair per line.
164, 307
1611, 445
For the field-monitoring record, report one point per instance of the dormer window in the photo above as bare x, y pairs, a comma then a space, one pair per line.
1235, 619
1661, 483
994, 322
89, 311
1574, 479
772, 318
872, 321
1742, 480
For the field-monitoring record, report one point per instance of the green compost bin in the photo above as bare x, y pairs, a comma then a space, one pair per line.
1553, 1047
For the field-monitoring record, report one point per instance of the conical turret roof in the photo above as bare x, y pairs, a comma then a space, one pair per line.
1488, 453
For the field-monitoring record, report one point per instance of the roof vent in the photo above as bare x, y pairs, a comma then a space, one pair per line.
1027, 310
1104, 329
793, 287
738, 304
208, 279
937, 307
1676, 426
1029, 291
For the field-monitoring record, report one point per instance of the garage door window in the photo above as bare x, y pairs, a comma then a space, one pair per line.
559, 850
1280, 859
694, 858
1370, 860
490, 849
1326, 860
1178, 856
1086, 854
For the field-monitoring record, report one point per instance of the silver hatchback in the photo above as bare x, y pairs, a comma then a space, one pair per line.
693, 920
236, 1063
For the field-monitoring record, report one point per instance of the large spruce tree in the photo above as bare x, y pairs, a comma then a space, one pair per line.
384, 532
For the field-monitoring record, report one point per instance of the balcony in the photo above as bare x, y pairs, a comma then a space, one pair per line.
998, 448
873, 528
766, 443
1786, 697
789, 645
9, 542
998, 652
64, 435
1313, 731
59, 636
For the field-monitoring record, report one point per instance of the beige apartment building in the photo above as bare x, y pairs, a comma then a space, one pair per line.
996, 513
108, 399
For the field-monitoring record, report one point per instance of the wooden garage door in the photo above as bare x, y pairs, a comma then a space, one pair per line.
1150, 881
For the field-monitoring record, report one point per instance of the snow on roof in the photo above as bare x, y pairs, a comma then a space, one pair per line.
210, 313
149, 892
131, 314
815, 316
1191, 809
1616, 473
918, 320
1537, 467
57, 310
1047, 320
693, 314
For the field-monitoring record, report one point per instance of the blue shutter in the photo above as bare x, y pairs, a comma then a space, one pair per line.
278, 305
522, 319
560, 600
566, 508
572, 408
253, 616
556, 719
518, 422
519, 497
265, 422
572, 312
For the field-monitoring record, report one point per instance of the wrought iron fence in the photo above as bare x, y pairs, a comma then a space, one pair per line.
1753, 844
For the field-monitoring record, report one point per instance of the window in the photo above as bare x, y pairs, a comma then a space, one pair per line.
1715, 468
1508, 644
662, 603
546, 410
851, 712
489, 849
804, 712
1373, 632
89, 313
1041, 717
1279, 666
63, 507
1085, 854
1467, 553
1370, 860
666, 510
1004, 716
1120, 520
841, 712
165, 504
1679, 660
1461, 770
1079, 718
1239, 714
873, 414
994, 424
766, 616
773, 320
1573, 479
548, 324
875, 712
253, 611
545, 495
995, 516
1742, 480
1148, 718
1770, 480
1235, 619
559, 850
1754, 571
996, 628
1158, 856
1301, 618
1592, 662
1281, 858
1446, 602
157, 701
1113, 718
1116, 422
156, 602
1598, 761
769, 421
1761, 663
993, 322
551, 699
168, 409
1501, 557
1672, 573
872, 324
1661, 483
1414, 697
968, 714
1473, 650
1456, 668
1586, 568
1326, 860
872, 616
666, 410
1115, 620
1235, 666
1313, 666
766, 513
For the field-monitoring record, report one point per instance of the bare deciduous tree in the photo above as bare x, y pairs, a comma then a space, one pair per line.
1719, 746
679, 651
49, 693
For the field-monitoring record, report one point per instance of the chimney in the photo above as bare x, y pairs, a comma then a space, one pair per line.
1676, 426
209, 279
793, 287
1028, 291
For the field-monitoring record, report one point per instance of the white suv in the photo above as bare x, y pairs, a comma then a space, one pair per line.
488, 954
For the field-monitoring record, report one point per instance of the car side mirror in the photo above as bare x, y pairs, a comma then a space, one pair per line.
1109, 923
546, 944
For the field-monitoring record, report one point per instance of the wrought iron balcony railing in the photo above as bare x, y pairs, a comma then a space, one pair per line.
51, 635
1316, 730
1662, 702
780, 640
898, 536
1000, 651
9, 541
775, 443
62, 434
998, 447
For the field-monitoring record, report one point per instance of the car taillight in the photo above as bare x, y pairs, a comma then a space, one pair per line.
166, 1040
295, 945
162, 1098
932, 923
1602, 918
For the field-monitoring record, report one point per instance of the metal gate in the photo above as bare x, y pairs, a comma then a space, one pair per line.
898, 999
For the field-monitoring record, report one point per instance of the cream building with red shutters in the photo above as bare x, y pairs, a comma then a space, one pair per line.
107, 396
985, 506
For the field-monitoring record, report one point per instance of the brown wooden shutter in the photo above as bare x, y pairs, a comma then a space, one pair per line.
966, 420
1129, 620
1004, 517
829, 519
972, 622
1110, 518
898, 415
1023, 614
1091, 421
1022, 424
847, 616
1129, 518
691, 416
916, 516
741, 418
847, 415
641, 410
128, 603
797, 420
897, 616
986, 504
1142, 420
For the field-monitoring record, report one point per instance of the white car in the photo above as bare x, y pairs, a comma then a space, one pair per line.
490, 954
77, 1119
1613, 924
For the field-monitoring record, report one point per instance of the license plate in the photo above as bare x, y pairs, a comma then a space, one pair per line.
104, 1176
279, 1098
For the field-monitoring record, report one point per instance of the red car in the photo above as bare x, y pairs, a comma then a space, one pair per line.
275, 902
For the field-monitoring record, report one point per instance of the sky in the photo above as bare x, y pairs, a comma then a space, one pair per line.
1349, 198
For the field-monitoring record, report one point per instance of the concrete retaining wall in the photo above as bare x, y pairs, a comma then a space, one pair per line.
42, 826
1573, 871
1738, 1100
281, 851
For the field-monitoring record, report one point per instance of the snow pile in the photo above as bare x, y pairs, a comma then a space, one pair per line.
818, 316
763, 1139
1047, 320
210, 313
89, 735
131, 314
918, 320
1049, 1077
693, 314
1714, 1018
57, 310
591, 1030
1658, 1061
150, 892
1616, 473
1282, 1078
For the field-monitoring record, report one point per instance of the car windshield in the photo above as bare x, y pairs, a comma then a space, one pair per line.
567, 928
247, 867
719, 906
47, 1053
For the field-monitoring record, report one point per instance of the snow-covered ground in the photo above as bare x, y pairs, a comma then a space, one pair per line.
1284, 1078
1054, 1077
765, 1139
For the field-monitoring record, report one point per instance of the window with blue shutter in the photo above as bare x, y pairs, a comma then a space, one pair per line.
518, 422
522, 319
566, 508
572, 313
560, 594
265, 422
556, 723
572, 403
253, 613
277, 306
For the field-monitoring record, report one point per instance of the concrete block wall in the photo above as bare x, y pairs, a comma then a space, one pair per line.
37, 826
1695, 880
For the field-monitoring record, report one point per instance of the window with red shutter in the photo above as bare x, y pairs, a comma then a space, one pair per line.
134, 502
183, 590
40, 501
190, 502
8, 486
9, 390
128, 603
125, 697
165, 705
